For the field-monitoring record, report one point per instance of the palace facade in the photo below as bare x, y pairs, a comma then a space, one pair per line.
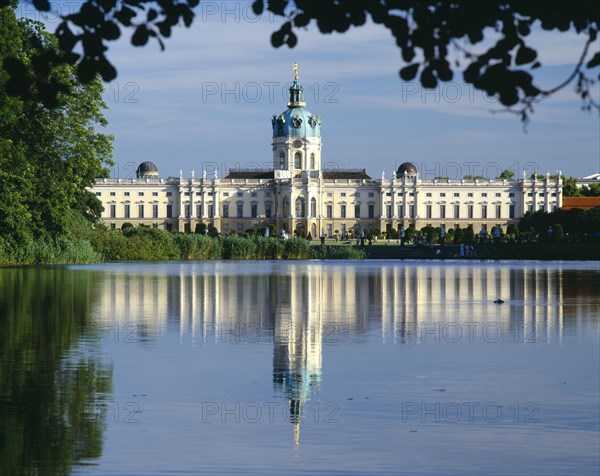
298, 194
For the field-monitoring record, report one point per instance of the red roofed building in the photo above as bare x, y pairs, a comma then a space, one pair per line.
583, 203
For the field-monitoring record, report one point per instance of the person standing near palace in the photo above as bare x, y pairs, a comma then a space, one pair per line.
442, 235
402, 235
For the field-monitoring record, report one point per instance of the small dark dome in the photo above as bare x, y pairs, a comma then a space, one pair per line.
408, 167
146, 169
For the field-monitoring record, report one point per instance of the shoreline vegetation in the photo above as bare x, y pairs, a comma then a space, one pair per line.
152, 244
560, 235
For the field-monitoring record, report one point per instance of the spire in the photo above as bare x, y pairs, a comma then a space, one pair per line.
296, 91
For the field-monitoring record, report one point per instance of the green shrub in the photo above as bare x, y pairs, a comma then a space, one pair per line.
296, 248
268, 248
237, 247
337, 252
58, 250
198, 246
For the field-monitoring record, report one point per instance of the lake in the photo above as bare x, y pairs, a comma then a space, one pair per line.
270, 368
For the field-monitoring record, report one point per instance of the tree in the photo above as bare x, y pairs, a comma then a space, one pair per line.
557, 232
212, 231
575, 222
512, 230
570, 188
469, 234
591, 190
488, 41
458, 235
507, 174
200, 228
48, 155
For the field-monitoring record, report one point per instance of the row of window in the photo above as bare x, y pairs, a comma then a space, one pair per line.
541, 194
253, 210
469, 194
470, 211
297, 161
300, 211
330, 194
141, 211
353, 194
140, 194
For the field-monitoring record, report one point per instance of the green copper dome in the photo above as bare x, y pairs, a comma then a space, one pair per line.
296, 121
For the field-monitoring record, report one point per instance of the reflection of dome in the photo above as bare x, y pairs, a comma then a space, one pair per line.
146, 169
408, 167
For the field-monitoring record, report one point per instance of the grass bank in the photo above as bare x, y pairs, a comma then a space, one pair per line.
97, 245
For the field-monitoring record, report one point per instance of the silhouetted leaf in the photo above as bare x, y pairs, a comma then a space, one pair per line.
106, 70
152, 14
164, 28
86, 70
41, 5
523, 28
125, 15
258, 7
595, 61
443, 70
301, 20
277, 39
292, 40
66, 38
428, 80
188, 16
525, 55
509, 97
140, 36
408, 53
110, 30
472, 72
525, 81
409, 72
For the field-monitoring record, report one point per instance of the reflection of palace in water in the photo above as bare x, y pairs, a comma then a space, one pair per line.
296, 306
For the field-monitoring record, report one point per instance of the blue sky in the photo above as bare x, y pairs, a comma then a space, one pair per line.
207, 101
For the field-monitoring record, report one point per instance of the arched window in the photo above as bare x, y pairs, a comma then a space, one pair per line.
282, 160
312, 161
300, 207
313, 207
297, 160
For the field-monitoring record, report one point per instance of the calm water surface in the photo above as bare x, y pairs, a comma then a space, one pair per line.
337, 368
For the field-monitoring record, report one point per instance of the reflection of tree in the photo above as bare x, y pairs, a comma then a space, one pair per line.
47, 391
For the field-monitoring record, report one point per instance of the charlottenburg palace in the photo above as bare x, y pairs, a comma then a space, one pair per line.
298, 194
